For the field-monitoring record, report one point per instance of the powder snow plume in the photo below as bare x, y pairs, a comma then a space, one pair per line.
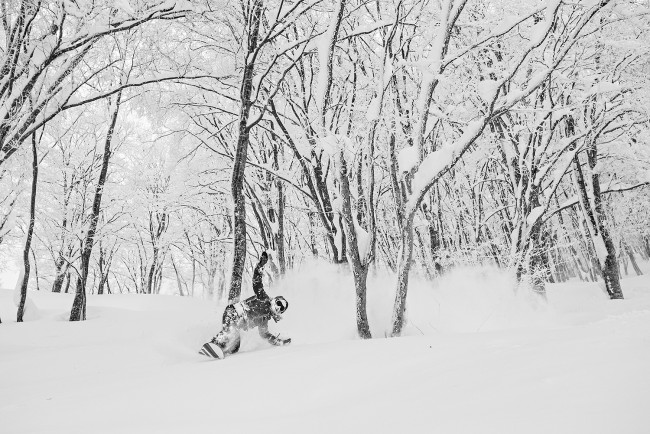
322, 303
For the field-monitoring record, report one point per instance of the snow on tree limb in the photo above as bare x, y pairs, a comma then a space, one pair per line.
441, 161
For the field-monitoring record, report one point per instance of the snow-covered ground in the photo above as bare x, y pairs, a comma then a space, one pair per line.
476, 358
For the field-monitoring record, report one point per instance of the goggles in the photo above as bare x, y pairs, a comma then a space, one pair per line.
280, 305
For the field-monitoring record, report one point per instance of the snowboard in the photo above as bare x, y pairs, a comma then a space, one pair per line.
212, 350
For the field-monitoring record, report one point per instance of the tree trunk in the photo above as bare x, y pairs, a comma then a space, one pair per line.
358, 264
595, 219
67, 282
312, 235
610, 267
642, 251
38, 286
623, 260
630, 254
538, 263
427, 264
179, 281
78, 312
61, 272
279, 236
279, 242
335, 234
326, 59
100, 287
211, 275
30, 232
158, 275
189, 243
238, 174
152, 270
403, 269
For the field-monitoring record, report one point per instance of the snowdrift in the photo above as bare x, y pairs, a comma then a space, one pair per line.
476, 357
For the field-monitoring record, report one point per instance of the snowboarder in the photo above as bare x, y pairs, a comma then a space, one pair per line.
253, 312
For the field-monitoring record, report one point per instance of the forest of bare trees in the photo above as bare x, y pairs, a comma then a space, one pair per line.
153, 147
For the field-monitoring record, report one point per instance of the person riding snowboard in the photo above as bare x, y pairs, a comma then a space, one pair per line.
253, 312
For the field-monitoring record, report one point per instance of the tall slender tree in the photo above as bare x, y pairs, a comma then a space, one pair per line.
30, 231
78, 312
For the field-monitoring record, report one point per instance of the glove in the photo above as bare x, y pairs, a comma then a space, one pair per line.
263, 259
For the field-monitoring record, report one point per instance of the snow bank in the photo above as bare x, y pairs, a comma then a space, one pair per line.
133, 365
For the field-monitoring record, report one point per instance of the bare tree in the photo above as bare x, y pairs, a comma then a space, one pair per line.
46, 48
78, 312
502, 96
30, 231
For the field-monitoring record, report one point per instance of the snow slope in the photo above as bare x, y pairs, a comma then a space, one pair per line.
476, 359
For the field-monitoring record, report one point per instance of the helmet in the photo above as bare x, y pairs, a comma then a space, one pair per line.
279, 305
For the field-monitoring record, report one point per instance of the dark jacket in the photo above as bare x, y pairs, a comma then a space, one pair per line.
255, 311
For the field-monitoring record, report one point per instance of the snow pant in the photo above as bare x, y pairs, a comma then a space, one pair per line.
229, 338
